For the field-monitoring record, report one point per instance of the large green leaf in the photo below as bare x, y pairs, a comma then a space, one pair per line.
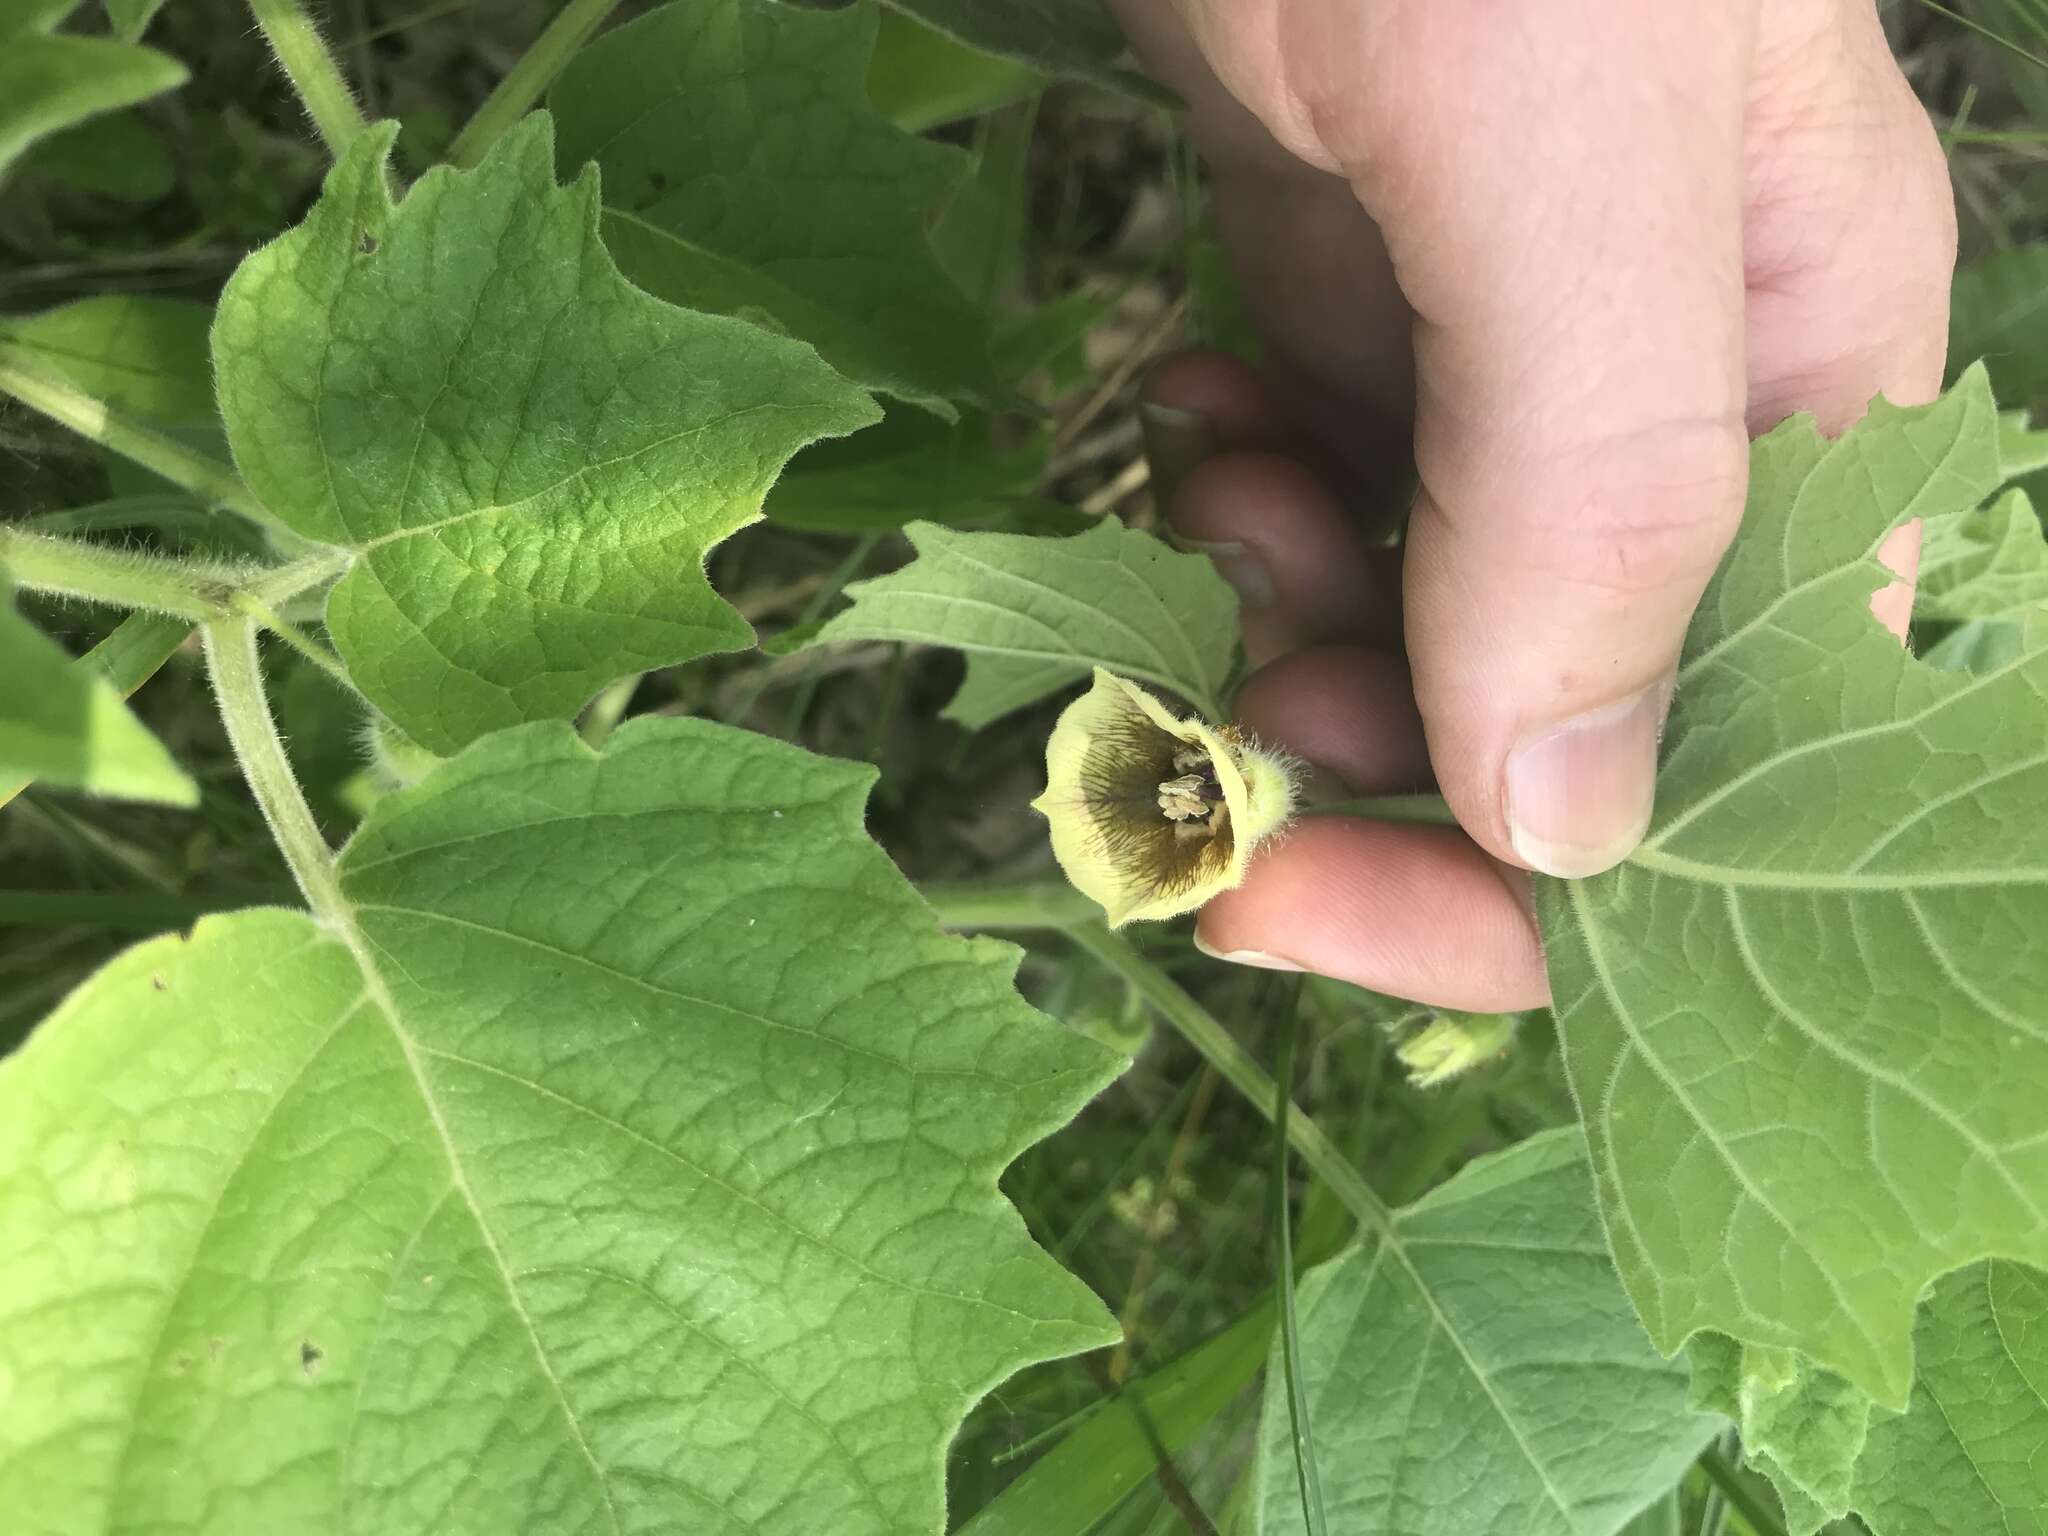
64, 722
1479, 1369
1807, 1021
1999, 312
1112, 596
49, 82
623, 1159
526, 457
746, 171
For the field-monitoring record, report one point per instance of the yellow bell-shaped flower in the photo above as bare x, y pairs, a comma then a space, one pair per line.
1151, 816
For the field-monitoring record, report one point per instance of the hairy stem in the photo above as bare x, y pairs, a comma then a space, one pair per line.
311, 70
186, 589
23, 376
527, 80
296, 638
1069, 912
189, 589
237, 675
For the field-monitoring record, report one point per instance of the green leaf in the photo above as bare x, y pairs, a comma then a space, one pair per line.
137, 353
919, 77
746, 172
2022, 447
48, 83
119, 155
1480, 1369
63, 721
913, 466
1981, 645
996, 686
527, 457
1999, 312
1806, 1021
1112, 597
1987, 564
1802, 1426
622, 1158
1077, 38
1971, 1451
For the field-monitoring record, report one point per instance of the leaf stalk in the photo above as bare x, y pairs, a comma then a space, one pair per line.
527, 81
24, 377
303, 55
237, 675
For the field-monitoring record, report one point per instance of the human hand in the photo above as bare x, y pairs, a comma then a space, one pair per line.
1586, 249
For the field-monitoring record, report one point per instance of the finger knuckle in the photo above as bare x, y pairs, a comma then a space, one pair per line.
1654, 507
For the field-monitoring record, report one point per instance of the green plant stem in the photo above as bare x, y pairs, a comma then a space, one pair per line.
1726, 1477
1284, 995
526, 82
125, 578
1421, 810
27, 380
312, 71
237, 675
197, 590
295, 637
1068, 911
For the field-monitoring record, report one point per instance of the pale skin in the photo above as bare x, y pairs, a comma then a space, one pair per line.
1580, 251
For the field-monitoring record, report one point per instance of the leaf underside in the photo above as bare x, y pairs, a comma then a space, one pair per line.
1807, 1023
627, 1162
1043, 611
526, 457
1482, 1370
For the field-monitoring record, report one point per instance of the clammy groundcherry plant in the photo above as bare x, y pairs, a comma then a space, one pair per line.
527, 654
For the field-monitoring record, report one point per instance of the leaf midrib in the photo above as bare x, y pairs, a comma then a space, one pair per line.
359, 949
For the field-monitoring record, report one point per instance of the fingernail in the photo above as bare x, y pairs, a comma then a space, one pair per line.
1176, 440
1579, 795
1239, 564
1259, 958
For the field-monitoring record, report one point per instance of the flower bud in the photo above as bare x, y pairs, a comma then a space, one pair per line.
1453, 1044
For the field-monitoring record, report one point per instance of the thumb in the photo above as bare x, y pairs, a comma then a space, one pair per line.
1578, 288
